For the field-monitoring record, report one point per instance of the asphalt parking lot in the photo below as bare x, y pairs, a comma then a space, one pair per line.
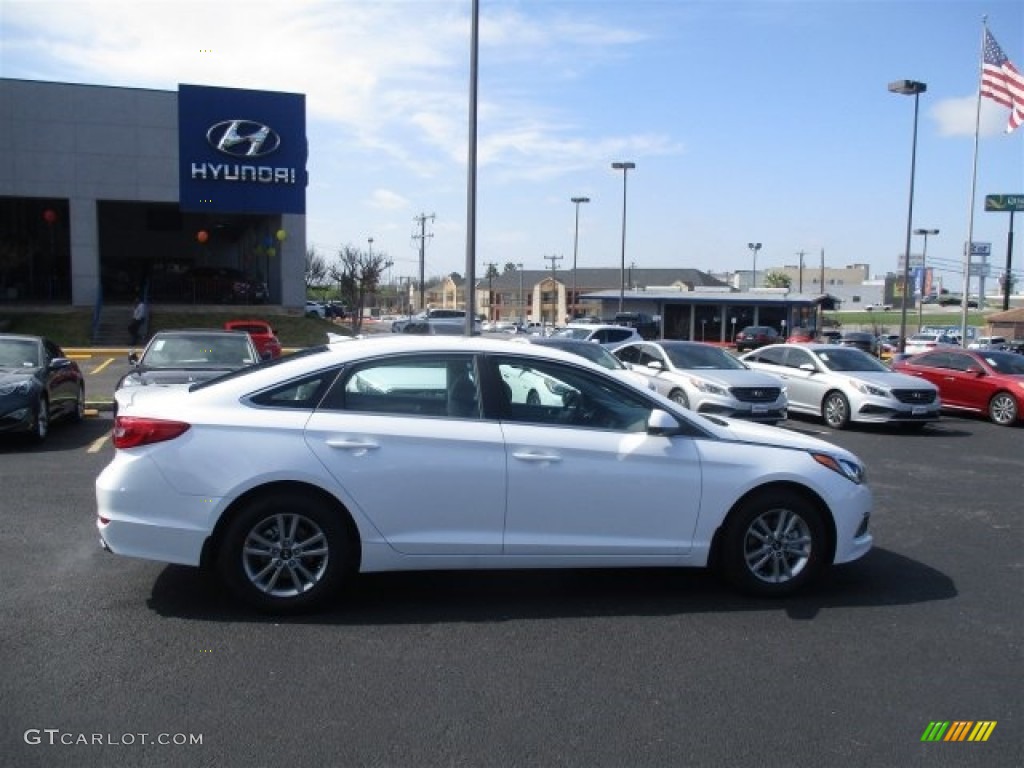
106, 658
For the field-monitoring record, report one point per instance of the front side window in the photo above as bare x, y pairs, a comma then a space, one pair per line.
547, 393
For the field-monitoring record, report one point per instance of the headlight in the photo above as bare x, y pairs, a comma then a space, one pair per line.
851, 470
870, 389
707, 386
19, 388
129, 381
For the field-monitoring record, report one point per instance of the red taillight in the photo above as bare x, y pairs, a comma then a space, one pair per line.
131, 431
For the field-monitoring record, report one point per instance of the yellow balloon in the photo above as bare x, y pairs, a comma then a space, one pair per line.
281, 235
271, 252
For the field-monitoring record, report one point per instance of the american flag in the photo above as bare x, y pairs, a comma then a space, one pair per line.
1001, 81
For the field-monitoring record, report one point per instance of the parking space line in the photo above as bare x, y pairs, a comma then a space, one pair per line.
103, 365
98, 443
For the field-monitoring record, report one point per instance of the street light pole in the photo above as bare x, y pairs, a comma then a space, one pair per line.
915, 89
754, 248
522, 316
924, 270
575, 248
625, 167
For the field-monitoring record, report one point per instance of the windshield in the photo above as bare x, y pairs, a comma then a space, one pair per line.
1005, 362
597, 354
19, 353
696, 357
849, 359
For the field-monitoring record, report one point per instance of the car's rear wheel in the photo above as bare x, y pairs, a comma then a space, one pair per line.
835, 410
284, 553
679, 397
774, 544
1002, 409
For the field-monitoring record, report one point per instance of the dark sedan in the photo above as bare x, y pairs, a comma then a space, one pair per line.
866, 342
755, 337
985, 381
182, 358
38, 385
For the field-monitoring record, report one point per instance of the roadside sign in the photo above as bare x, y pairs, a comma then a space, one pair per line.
1004, 203
981, 249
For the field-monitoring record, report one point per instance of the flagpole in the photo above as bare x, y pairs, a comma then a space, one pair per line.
965, 296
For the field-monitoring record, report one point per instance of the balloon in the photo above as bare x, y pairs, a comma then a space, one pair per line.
268, 241
281, 235
50, 216
271, 252
202, 235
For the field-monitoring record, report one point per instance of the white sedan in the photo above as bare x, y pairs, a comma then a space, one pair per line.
405, 453
707, 379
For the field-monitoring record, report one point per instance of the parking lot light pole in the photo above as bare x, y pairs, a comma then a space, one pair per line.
924, 270
625, 167
754, 248
915, 89
575, 249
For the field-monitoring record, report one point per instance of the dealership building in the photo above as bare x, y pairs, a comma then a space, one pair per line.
191, 197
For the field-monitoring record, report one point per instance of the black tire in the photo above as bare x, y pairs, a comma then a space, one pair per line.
835, 410
679, 397
79, 412
262, 565
1002, 409
774, 544
41, 421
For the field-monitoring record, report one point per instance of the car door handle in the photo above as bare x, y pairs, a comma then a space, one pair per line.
352, 445
535, 456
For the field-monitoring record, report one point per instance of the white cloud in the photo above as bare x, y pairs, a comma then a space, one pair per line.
387, 200
956, 117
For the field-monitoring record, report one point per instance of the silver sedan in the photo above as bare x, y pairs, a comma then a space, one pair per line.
707, 379
844, 384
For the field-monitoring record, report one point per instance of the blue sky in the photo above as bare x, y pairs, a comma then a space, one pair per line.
766, 121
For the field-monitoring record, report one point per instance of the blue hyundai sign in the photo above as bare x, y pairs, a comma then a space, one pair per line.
241, 151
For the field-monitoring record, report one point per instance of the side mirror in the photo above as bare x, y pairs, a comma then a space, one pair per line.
656, 365
809, 367
133, 358
977, 370
662, 424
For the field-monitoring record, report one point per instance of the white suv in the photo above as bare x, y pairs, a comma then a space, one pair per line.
606, 335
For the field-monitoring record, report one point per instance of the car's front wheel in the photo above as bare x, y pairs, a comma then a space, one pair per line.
79, 413
1002, 409
284, 553
835, 410
773, 544
41, 421
679, 397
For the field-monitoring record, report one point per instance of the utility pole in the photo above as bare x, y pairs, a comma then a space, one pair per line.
554, 288
800, 288
422, 237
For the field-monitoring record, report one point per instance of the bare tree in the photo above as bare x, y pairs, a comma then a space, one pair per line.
358, 274
315, 269
511, 268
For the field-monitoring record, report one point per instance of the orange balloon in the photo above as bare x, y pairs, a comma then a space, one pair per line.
202, 235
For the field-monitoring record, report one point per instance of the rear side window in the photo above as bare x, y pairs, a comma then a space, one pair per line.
303, 394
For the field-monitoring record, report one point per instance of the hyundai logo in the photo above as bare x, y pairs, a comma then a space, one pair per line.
243, 138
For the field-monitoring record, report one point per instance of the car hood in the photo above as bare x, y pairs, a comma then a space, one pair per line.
16, 375
746, 431
886, 379
728, 378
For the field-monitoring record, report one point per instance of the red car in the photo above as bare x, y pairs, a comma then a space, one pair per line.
263, 336
979, 380
755, 337
801, 336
